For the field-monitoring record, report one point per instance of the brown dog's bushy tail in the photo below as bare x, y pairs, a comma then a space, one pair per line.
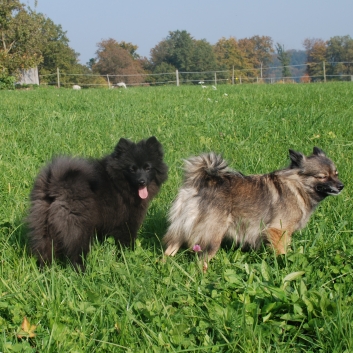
205, 168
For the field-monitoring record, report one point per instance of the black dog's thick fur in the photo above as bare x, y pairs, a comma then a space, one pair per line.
74, 199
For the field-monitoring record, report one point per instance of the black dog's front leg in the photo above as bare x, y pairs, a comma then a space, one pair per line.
126, 234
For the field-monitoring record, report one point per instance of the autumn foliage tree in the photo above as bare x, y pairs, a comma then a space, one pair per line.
336, 54
113, 58
245, 55
257, 52
228, 54
315, 56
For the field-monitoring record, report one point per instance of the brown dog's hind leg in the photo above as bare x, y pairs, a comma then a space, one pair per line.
172, 249
209, 235
206, 257
280, 239
209, 250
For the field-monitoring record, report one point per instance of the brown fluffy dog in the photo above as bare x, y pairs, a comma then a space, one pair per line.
216, 202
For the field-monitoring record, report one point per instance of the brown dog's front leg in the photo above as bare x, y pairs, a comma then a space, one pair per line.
280, 239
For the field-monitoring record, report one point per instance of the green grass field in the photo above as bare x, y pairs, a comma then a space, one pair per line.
131, 301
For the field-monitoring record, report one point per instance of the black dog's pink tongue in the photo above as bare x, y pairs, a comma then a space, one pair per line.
143, 193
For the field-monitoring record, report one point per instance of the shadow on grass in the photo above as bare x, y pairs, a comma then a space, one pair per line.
15, 234
152, 231
150, 236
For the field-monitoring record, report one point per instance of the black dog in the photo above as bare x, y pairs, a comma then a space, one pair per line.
72, 199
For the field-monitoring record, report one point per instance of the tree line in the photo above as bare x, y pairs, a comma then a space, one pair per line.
30, 39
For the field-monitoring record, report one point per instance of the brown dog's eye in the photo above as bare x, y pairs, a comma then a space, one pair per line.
321, 177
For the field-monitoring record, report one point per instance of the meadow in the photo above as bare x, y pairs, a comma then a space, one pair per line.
133, 301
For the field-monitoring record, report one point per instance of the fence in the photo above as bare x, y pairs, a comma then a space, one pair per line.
324, 71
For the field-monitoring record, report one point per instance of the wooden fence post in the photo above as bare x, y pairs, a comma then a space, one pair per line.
177, 77
215, 78
324, 69
58, 76
261, 72
233, 76
108, 81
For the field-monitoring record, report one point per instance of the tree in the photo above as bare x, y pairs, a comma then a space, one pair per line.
176, 50
244, 54
112, 59
263, 48
228, 54
180, 50
55, 50
160, 54
203, 60
57, 53
20, 36
165, 72
131, 48
203, 56
184, 53
91, 63
284, 58
339, 54
256, 50
315, 56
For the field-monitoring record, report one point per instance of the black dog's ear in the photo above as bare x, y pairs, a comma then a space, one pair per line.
154, 144
318, 152
152, 141
122, 146
296, 158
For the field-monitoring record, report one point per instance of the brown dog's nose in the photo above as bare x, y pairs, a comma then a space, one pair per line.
340, 187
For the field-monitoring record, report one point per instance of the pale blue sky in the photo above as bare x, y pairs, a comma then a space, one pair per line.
145, 23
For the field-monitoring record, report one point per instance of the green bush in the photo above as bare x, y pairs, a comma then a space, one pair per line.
7, 82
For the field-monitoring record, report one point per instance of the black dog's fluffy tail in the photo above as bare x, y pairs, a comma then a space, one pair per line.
61, 196
205, 168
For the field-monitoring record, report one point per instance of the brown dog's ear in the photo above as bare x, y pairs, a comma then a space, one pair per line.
318, 152
296, 158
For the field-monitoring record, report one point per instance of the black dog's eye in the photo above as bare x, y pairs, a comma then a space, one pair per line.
133, 169
147, 168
